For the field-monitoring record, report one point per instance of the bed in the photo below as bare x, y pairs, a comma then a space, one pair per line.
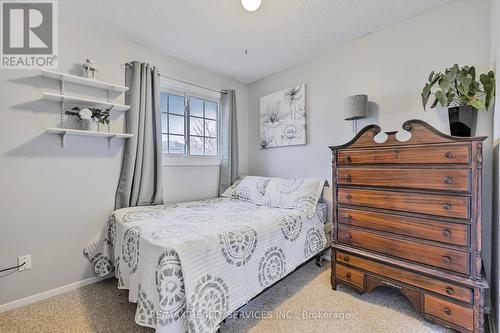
190, 265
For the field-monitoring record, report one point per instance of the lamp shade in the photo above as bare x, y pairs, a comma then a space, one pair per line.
355, 107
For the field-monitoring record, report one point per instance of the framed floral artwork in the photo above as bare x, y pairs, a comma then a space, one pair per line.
283, 118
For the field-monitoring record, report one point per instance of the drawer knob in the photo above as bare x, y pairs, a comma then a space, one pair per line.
446, 259
448, 180
450, 290
447, 233
347, 177
348, 218
448, 155
346, 259
348, 158
348, 236
446, 206
348, 196
348, 275
447, 311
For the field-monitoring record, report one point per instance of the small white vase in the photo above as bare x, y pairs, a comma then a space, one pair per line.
89, 125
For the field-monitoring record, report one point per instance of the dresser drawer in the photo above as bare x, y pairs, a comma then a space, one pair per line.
451, 312
433, 204
418, 280
450, 154
351, 276
445, 232
431, 255
433, 179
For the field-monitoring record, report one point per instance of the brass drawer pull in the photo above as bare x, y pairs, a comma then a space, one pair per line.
446, 259
450, 290
448, 155
347, 177
348, 158
447, 311
348, 196
348, 218
447, 233
348, 275
448, 180
346, 259
348, 236
446, 206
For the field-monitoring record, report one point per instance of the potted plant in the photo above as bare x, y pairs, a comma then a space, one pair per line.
459, 91
89, 117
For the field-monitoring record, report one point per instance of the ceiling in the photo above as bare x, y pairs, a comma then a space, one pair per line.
214, 34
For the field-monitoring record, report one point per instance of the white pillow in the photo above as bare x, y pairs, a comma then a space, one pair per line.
248, 188
302, 194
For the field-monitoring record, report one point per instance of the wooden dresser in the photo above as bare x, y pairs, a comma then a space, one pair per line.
407, 215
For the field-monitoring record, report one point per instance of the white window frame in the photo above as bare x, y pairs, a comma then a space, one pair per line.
188, 90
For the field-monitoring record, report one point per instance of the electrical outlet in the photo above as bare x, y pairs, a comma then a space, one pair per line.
27, 262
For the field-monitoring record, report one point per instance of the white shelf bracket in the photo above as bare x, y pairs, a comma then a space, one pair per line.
110, 109
109, 141
63, 139
63, 106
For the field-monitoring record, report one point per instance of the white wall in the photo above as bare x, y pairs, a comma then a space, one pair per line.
193, 182
390, 66
53, 200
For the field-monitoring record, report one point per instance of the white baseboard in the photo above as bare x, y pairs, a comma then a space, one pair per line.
49, 293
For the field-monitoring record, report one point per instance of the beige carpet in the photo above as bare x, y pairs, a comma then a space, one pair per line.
306, 292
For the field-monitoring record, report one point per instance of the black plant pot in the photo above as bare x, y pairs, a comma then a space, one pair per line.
462, 120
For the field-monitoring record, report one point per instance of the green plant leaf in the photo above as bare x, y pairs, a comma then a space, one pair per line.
488, 82
444, 83
426, 92
474, 88
441, 97
477, 104
461, 91
425, 99
450, 96
472, 73
464, 83
431, 76
433, 105
451, 73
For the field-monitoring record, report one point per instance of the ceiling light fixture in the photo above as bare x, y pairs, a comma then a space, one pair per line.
251, 5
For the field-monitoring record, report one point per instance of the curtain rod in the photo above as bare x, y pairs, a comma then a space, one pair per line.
128, 64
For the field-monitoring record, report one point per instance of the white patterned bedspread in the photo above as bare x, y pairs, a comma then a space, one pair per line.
190, 265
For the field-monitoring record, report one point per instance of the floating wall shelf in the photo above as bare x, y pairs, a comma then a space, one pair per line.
68, 100
63, 132
84, 101
83, 81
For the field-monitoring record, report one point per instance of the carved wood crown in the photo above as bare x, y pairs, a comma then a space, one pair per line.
421, 133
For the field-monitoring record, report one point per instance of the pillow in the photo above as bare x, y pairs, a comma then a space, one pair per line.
248, 188
301, 194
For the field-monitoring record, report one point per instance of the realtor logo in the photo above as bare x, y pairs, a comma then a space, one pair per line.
29, 34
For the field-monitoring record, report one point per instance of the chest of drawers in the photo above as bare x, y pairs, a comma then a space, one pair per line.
407, 215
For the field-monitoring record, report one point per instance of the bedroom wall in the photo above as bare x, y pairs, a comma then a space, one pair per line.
390, 66
53, 200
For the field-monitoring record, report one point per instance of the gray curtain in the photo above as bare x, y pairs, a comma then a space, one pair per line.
140, 180
229, 141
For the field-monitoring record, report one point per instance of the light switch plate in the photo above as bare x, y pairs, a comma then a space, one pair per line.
27, 262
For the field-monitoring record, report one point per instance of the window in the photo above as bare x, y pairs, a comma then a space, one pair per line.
189, 125
173, 121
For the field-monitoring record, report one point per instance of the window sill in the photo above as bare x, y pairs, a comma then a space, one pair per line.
174, 161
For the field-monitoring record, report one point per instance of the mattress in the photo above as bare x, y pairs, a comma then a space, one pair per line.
190, 265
